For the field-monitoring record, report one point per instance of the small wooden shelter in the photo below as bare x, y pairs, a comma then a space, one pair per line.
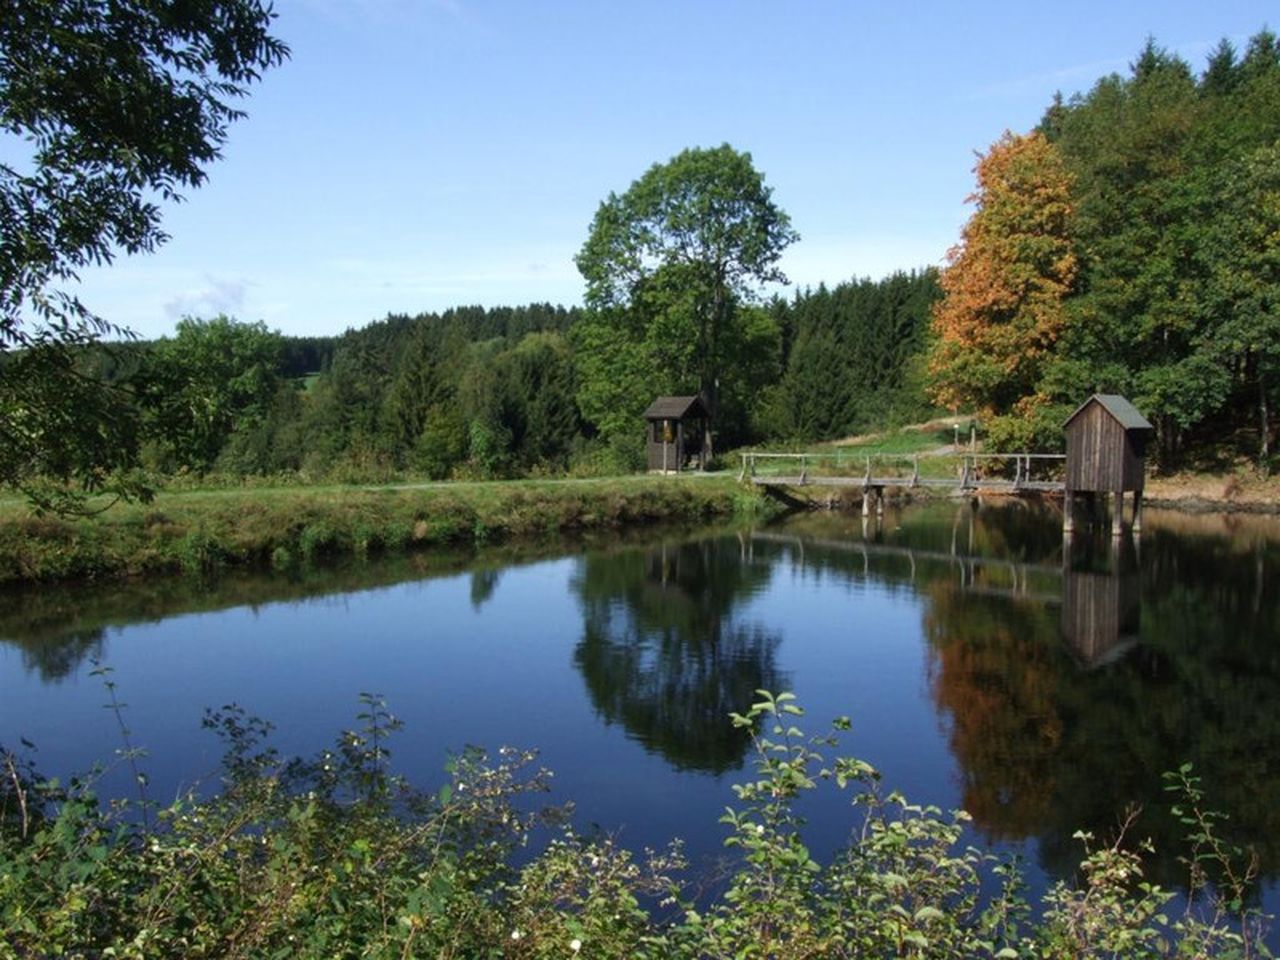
675, 429
1106, 449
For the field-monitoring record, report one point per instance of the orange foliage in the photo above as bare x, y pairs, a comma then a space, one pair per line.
1006, 281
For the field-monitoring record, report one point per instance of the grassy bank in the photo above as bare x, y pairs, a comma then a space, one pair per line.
200, 531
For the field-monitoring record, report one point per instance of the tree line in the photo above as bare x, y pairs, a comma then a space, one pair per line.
1129, 244
490, 393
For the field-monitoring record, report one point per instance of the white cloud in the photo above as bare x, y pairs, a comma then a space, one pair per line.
216, 296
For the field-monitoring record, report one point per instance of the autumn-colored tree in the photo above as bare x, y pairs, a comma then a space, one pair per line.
1003, 289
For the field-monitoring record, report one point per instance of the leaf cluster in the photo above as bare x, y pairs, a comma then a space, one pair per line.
109, 108
337, 856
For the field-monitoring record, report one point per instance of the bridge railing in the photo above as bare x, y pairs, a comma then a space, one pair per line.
962, 470
1019, 469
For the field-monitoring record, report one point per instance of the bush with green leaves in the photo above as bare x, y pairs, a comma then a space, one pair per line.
336, 856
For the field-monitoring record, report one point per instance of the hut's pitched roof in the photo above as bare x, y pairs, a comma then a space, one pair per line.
1121, 410
675, 408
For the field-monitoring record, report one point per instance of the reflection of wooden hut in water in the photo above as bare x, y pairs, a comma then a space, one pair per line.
1101, 613
1106, 443
676, 426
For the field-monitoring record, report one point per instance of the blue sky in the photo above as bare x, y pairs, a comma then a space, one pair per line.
419, 154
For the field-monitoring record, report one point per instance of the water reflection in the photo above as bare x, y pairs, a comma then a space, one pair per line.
663, 654
1063, 713
1063, 678
1071, 676
59, 627
1101, 609
54, 658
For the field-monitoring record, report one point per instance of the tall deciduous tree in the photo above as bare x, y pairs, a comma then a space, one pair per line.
667, 265
106, 107
212, 377
1004, 288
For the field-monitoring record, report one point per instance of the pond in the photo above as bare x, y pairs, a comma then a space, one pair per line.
1043, 687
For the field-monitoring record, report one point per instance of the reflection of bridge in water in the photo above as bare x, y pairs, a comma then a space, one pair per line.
1100, 611
969, 566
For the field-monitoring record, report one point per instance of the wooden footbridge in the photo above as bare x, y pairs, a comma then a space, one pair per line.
1106, 440
1013, 473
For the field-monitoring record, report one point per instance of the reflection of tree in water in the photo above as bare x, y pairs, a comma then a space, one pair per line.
483, 583
662, 654
994, 672
1053, 739
55, 658
57, 627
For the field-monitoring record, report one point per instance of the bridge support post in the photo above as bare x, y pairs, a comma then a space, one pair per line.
879, 501
1117, 514
1137, 510
866, 502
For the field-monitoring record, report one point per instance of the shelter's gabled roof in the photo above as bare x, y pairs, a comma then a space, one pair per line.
1121, 410
675, 408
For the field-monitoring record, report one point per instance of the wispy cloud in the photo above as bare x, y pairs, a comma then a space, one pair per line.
1081, 76
1067, 79
215, 296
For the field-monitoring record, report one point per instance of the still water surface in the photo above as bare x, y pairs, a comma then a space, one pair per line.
1044, 688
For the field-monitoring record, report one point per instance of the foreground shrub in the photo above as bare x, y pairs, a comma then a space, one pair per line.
338, 857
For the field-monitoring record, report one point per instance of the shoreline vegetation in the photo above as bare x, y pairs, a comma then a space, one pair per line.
202, 531
338, 856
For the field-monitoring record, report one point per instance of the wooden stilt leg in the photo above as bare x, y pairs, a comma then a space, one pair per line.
1137, 511
1117, 514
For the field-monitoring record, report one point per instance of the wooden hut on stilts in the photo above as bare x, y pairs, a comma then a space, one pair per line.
1106, 447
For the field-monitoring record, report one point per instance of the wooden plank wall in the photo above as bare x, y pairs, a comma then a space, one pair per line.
1101, 456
